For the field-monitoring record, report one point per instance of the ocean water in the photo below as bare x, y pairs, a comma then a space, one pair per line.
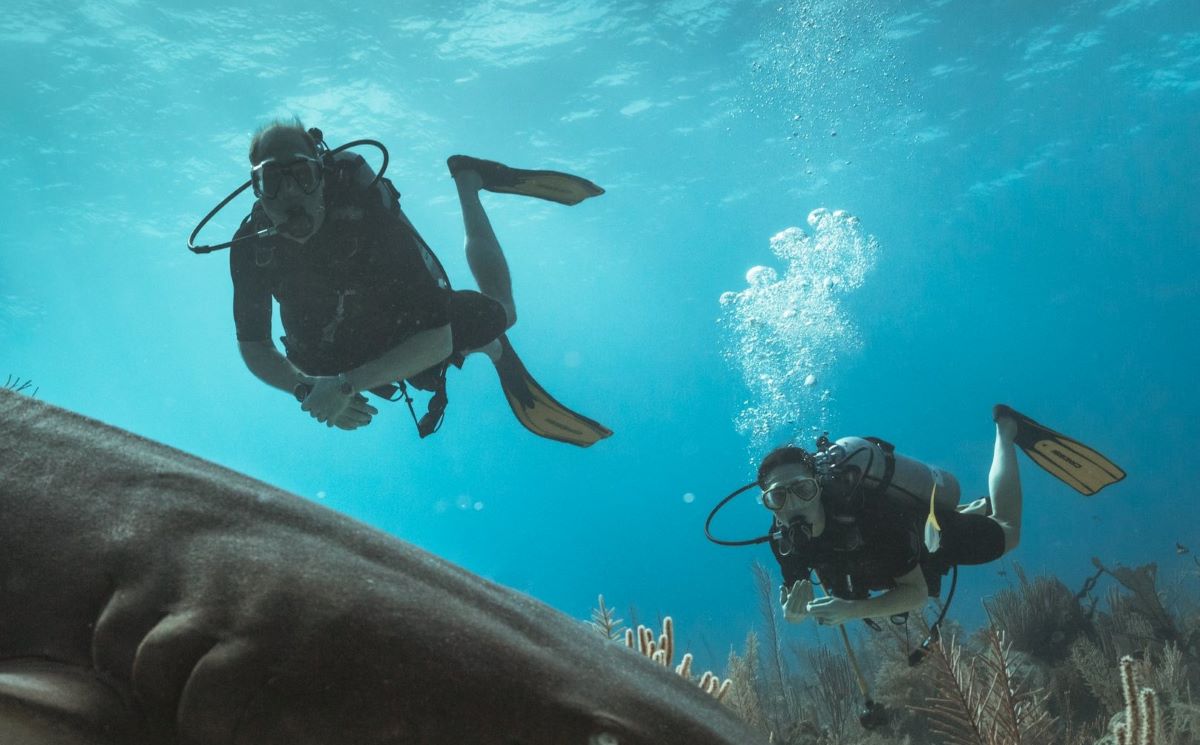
870, 218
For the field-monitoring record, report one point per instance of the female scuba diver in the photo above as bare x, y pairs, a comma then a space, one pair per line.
866, 519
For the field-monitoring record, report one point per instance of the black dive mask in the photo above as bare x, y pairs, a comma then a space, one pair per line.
267, 177
306, 176
829, 461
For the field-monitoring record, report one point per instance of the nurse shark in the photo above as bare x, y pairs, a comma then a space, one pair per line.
149, 597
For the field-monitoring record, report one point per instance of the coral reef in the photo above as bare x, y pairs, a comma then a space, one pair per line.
981, 700
605, 621
660, 648
16, 385
1040, 672
662, 651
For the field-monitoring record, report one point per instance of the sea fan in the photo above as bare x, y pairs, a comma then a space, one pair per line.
979, 701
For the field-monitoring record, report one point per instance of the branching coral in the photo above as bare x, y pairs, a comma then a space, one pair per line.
1141, 722
17, 385
1095, 670
834, 695
743, 695
1041, 617
1145, 718
780, 700
662, 651
979, 700
605, 621
1142, 582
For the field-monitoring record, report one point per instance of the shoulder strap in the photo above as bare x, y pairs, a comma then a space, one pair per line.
889, 464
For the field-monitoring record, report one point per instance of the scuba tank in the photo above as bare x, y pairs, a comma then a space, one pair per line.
853, 468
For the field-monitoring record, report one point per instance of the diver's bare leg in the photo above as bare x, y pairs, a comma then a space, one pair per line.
484, 256
1004, 483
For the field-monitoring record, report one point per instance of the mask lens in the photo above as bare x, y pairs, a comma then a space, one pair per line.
774, 498
802, 489
306, 174
267, 177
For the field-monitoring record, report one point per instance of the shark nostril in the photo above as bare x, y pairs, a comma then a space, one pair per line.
604, 738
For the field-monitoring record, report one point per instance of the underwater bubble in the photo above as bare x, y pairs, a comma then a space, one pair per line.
759, 276
728, 297
463, 502
787, 328
321, 494
688, 498
478, 506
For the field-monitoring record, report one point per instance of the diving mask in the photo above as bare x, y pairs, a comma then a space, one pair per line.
267, 177
804, 489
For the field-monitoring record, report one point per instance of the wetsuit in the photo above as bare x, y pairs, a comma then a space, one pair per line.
865, 550
358, 287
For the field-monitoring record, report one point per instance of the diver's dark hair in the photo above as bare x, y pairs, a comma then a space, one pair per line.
292, 125
781, 456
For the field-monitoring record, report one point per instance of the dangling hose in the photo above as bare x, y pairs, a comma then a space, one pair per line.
873, 714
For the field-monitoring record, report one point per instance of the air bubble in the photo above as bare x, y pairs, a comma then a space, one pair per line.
787, 329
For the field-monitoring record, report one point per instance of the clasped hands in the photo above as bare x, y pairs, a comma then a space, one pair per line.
330, 403
798, 604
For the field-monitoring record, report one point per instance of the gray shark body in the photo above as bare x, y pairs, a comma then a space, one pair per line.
149, 597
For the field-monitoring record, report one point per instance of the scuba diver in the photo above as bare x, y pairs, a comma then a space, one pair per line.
852, 512
365, 304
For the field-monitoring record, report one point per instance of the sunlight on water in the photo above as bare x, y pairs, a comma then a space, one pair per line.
830, 67
785, 333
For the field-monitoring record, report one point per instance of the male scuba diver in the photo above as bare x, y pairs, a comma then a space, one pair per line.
364, 303
866, 519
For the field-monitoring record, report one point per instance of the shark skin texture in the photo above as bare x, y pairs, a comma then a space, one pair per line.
151, 597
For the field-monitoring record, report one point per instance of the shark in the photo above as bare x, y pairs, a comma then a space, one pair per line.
150, 597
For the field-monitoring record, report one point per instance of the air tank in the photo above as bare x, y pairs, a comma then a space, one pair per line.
911, 482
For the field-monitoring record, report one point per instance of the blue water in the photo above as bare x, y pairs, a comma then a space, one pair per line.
1027, 172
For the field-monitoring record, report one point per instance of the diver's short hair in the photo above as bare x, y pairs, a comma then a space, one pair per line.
782, 456
294, 125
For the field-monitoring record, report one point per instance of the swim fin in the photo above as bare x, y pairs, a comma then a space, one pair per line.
537, 410
1068, 460
554, 186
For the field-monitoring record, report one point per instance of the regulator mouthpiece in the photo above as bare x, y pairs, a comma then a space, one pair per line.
298, 224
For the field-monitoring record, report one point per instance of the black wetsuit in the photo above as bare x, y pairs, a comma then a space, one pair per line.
358, 287
867, 549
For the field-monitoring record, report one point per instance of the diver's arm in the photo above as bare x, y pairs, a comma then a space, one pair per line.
418, 352
271, 367
909, 594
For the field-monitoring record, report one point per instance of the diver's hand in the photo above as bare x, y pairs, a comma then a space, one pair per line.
831, 611
331, 403
794, 602
357, 414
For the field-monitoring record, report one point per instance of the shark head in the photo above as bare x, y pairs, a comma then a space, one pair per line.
153, 597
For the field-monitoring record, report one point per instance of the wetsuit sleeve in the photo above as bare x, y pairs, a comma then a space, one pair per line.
251, 290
